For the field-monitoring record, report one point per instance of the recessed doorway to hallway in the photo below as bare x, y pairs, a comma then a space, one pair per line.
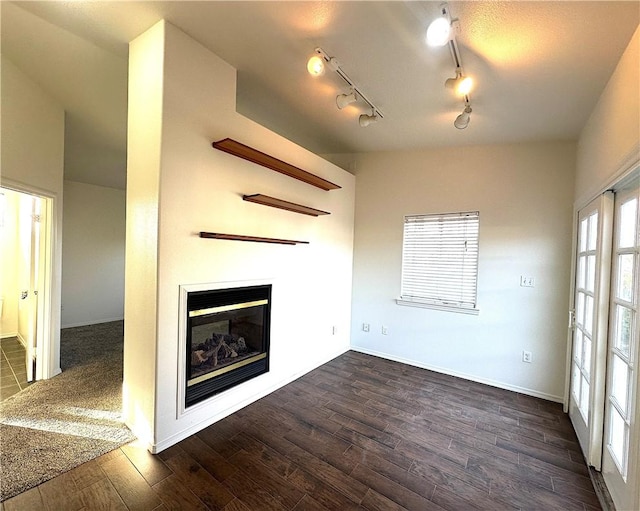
25, 282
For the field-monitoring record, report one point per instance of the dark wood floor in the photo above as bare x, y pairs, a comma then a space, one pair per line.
13, 372
358, 433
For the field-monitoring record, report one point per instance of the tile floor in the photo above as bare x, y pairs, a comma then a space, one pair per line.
13, 373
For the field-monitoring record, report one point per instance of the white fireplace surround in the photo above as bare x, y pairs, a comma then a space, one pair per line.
182, 410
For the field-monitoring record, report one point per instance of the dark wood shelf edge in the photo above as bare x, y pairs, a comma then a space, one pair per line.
274, 202
257, 239
245, 152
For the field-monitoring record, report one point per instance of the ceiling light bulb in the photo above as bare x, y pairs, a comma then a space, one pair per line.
462, 85
315, 66
365, 119
438, 32
465, 84
343, 100
462, 121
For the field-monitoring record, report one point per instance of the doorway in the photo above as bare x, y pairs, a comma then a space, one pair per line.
605, 382
25, 288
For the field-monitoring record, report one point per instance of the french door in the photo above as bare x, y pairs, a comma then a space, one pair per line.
589, 333
621, 433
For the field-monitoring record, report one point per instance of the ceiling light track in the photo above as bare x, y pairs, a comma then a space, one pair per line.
442, 31
316, 66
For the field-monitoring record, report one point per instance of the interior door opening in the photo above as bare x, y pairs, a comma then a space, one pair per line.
25, 232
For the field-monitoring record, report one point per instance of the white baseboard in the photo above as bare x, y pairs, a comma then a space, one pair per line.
92, 322
464, 376
174, 439
22, 340
6, 335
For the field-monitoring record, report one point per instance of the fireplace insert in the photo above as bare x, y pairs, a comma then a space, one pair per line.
227, 339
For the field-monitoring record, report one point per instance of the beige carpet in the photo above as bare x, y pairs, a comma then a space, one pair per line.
58, 424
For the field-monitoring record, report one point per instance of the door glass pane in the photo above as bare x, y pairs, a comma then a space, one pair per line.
617, 437
575, 382
577, 347
622, 336
580, 310
591, 273
583, 234
586, 365
584, 399
620, 382
625, 277
588, 314
628, 224
582, 270
593, 231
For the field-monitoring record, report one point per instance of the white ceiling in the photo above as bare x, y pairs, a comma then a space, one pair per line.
539, 68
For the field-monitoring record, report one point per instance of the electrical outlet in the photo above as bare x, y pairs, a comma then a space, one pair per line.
526, 356
334, 330
385, 330
527, 281
365, 327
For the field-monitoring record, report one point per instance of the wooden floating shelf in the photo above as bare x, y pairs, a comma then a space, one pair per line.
257, 239
265, 200
253, 155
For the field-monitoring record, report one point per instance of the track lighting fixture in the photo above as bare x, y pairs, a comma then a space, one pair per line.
462, 121
460, 84
316, 66
440, 32
343, 100
365, 119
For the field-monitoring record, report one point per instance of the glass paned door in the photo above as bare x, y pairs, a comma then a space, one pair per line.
619, 467
588, 354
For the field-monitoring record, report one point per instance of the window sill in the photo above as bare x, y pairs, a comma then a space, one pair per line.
439, 307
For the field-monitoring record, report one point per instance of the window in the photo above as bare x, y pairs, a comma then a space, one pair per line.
440, 261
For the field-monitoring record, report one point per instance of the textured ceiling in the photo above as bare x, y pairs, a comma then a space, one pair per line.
539, 68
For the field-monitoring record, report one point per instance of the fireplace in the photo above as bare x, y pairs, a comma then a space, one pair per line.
227, 339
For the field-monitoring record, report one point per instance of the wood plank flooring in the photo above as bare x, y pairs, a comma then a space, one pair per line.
359, 433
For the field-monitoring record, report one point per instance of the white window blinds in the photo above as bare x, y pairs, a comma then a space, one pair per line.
440, 260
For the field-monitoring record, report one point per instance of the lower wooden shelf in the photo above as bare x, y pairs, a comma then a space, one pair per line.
257, 239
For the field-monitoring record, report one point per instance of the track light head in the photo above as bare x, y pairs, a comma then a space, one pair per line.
315, 65
342, 100
366, 119
462, 121
462, 85
439, 32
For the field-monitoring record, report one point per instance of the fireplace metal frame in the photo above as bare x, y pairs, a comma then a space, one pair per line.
190, 400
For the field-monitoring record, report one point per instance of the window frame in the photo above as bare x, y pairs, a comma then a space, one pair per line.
442, 221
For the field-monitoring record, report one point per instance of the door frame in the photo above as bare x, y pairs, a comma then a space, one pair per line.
48, 331
625, 171
591, 439
624, 495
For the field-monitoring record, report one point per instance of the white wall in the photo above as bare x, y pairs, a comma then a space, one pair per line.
32, 131
609, 144
92, 254
9, 288
182, 97
524, 196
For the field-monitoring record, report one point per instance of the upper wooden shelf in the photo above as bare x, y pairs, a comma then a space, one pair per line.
248, 153
257, 239
283, 204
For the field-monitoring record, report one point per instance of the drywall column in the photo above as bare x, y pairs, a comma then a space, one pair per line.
180, 101
146, 56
